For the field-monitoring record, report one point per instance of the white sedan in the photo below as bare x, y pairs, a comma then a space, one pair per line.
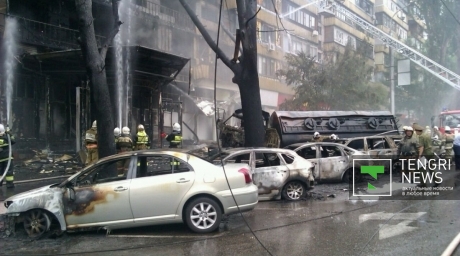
138, 188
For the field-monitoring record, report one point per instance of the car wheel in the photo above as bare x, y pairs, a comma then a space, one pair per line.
294, 191
36, 223
203, 215
348, 176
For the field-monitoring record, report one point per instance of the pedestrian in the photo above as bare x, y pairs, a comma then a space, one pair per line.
448, 142
91, 144
409, 148
124, 144
141, 140
426, 148
5, 156
175, 138
457, 150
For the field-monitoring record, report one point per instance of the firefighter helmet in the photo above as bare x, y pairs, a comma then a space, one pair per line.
94, 124
125, 131
140, 127
116, 131
176, 127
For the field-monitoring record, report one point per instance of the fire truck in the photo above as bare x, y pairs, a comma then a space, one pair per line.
449, 118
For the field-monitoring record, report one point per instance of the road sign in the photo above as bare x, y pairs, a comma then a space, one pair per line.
387, 231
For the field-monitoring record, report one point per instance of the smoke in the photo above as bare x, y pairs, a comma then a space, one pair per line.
10, 48
120, 77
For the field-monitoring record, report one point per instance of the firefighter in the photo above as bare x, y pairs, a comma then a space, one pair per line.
175, 138
141, 140
5, 156
316, 137
334, 137
124, 144
448, 141
91, 144
426, 147
116, 133
409, 147
437, 134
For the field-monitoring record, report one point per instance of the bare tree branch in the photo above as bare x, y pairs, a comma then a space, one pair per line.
233, 66
241, 9
116, 28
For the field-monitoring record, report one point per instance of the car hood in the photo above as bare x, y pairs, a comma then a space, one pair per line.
31, 193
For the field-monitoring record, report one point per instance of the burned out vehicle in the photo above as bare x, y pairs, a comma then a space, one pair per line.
278, 173
299, 126
138, 188
333, 162
377, 147
233, 136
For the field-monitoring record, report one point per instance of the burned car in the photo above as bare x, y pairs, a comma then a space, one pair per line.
278, 173
332, 161
377, 147
138, 188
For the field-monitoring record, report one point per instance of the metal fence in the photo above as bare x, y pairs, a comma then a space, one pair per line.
48, 35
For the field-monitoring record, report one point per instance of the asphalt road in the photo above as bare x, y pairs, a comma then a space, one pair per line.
320, 225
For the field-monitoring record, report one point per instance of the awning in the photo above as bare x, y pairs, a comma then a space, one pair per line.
153, 66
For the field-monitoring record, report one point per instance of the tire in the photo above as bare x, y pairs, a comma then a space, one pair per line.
36, 223
294, 191
203, 215
348, 176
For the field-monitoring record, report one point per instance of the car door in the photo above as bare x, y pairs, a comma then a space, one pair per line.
159, 186
270, 172
311, 153
333, 163
101, 195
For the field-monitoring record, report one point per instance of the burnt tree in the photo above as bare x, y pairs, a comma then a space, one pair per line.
95, 66
244, 69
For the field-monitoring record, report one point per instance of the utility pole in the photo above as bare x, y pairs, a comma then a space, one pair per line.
392, 82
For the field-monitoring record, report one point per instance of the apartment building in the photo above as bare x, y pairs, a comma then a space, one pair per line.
162, 31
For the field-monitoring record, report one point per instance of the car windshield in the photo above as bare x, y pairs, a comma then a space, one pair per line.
452, 120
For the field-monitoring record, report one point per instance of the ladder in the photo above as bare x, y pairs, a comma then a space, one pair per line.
431, 66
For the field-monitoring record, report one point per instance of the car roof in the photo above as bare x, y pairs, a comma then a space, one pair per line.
297, 145
233, 150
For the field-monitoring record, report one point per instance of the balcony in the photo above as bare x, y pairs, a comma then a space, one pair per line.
149, 10
43, 34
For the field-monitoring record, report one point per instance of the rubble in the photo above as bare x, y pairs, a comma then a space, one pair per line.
44, 162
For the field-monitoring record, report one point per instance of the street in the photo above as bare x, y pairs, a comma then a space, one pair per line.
325, 223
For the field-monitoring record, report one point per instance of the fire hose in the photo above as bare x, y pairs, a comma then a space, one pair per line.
9, 154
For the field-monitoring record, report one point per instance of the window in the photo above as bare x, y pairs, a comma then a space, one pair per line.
267, 66
241, 158
330, 151
301, 16
377, 143
343, 38
267, 160
357, 144
289, 159
308, 152
160, 165
265, 35
111, 171
366, 6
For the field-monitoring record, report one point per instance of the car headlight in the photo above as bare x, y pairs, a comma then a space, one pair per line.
7, 204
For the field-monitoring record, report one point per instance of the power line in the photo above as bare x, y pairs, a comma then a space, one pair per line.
217, 129
451, 13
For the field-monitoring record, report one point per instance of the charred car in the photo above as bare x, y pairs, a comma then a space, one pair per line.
333, 162
138, 188
278, 173
233, 136
377, 147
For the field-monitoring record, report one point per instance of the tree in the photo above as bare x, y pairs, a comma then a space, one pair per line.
343, 84
427, 94
244, 69
95, 66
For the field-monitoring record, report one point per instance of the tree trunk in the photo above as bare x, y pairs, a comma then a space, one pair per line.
246, 75
248, 79
95, 66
